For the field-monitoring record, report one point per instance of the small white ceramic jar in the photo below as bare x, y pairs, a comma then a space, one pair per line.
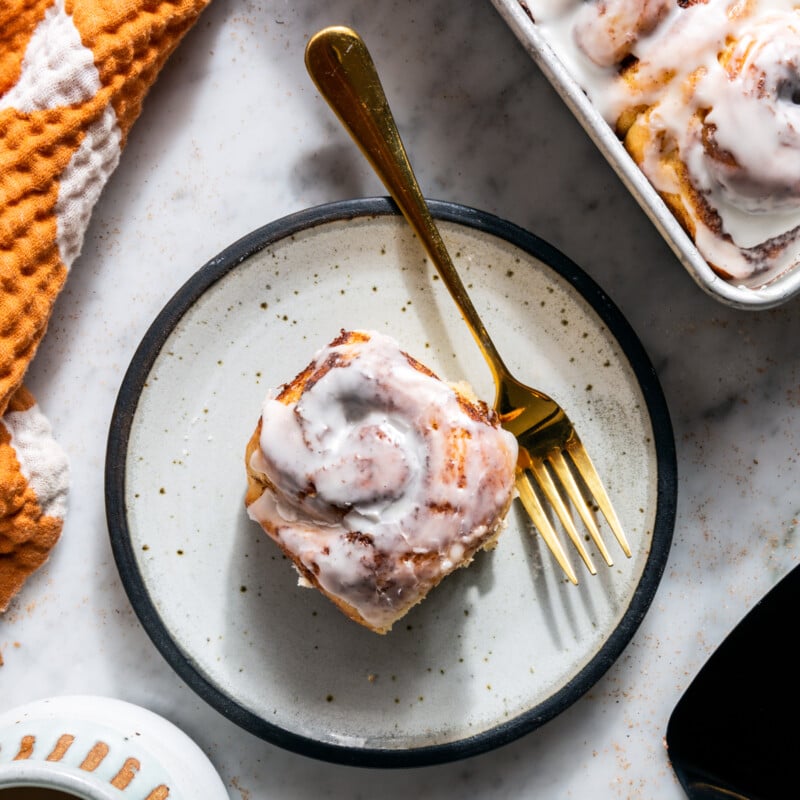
100, 748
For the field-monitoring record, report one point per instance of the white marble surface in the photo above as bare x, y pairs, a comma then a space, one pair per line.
234, 135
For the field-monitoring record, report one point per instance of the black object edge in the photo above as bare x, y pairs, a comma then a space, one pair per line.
733, 733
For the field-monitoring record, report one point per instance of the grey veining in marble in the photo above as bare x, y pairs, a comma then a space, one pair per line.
232, 136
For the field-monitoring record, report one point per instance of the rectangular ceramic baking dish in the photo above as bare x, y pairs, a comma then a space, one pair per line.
519, 18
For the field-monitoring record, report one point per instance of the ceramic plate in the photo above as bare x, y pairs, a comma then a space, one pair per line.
495, 650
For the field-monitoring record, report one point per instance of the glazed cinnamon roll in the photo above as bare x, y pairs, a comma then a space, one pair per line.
749, 136
376, 478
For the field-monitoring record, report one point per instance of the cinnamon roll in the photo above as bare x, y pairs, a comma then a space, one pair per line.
748, 137
722, 143
376, 478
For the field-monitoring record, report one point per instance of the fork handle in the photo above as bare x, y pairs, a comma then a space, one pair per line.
342, 69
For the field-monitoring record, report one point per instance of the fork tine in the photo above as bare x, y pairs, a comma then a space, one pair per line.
561, 468
548, 486
537, 514
589, 474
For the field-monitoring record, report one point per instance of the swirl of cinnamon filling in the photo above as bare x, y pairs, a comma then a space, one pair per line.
746, 138
377, 478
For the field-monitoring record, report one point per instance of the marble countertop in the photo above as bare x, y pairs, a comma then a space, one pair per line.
234, 135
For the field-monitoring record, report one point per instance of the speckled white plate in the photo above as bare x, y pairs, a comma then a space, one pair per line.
497, 649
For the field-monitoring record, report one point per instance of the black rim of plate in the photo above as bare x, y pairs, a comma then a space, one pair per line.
116, 456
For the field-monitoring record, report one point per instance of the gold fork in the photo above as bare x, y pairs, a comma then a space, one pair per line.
342, 69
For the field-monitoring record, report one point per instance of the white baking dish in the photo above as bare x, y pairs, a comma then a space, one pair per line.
520, 19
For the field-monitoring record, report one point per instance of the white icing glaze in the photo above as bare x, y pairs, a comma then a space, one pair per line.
750, 101
607, 30
378, 462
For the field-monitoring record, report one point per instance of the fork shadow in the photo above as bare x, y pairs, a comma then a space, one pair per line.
551, 587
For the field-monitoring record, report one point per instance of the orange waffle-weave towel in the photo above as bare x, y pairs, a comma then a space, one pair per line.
73, 75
